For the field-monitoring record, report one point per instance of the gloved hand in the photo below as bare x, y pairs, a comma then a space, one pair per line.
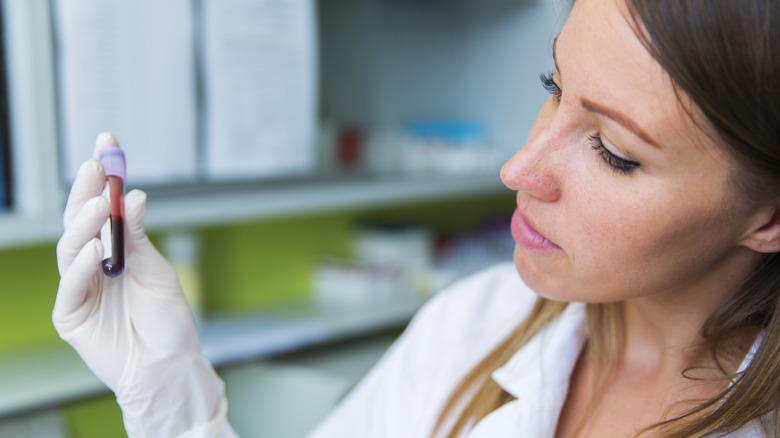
135, 331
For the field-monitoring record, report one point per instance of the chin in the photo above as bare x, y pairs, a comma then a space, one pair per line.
548, 283
536, 279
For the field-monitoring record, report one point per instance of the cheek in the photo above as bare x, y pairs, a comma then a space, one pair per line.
641, 245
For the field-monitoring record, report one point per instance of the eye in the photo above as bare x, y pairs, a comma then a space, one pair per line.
549, 84
614, 162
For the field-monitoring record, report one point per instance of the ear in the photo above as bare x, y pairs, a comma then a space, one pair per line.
765, 237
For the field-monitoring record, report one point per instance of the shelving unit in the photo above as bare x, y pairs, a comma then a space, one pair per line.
372, 98
488, 56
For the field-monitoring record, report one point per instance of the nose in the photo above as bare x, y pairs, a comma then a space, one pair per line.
532, 170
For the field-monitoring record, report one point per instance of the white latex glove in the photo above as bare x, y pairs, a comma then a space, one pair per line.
135, 331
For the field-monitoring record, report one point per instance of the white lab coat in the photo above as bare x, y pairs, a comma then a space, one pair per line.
404, 393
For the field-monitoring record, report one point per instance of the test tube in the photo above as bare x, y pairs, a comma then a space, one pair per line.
113, 233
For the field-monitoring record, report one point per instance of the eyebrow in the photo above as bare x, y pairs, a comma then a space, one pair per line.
615, 115
621, 118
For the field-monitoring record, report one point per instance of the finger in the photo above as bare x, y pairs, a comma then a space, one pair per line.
135, 209
136, 239
89, 183
85, 226
142, 256
69, 306
103, 139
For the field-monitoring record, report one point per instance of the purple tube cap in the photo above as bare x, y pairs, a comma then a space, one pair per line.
112, 158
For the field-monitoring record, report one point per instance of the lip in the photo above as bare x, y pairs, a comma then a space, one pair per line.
527, 237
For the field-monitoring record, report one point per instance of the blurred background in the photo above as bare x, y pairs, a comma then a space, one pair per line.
316, 170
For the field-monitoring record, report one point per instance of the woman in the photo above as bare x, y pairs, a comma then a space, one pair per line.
648, 199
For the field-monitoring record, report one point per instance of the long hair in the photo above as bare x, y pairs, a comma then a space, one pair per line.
724, 55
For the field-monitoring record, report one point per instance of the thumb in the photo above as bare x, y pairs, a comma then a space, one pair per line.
135, 208
142, 257
137, 244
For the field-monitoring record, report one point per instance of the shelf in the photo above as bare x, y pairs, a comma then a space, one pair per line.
56, 375
233, 339
199, 206
316, 196
18, 229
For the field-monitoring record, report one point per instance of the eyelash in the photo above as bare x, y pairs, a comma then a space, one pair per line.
549, 84
614, 162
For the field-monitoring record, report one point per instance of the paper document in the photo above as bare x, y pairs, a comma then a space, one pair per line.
128, 67
260, 78
3, 176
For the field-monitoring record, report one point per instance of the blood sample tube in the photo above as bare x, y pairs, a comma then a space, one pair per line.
113, 233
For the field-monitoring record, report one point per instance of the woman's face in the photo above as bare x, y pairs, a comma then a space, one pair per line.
620, 194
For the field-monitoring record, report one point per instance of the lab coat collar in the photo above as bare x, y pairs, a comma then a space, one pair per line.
538, 377
546, 362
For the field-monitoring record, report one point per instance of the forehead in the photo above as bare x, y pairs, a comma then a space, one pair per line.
601, 58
